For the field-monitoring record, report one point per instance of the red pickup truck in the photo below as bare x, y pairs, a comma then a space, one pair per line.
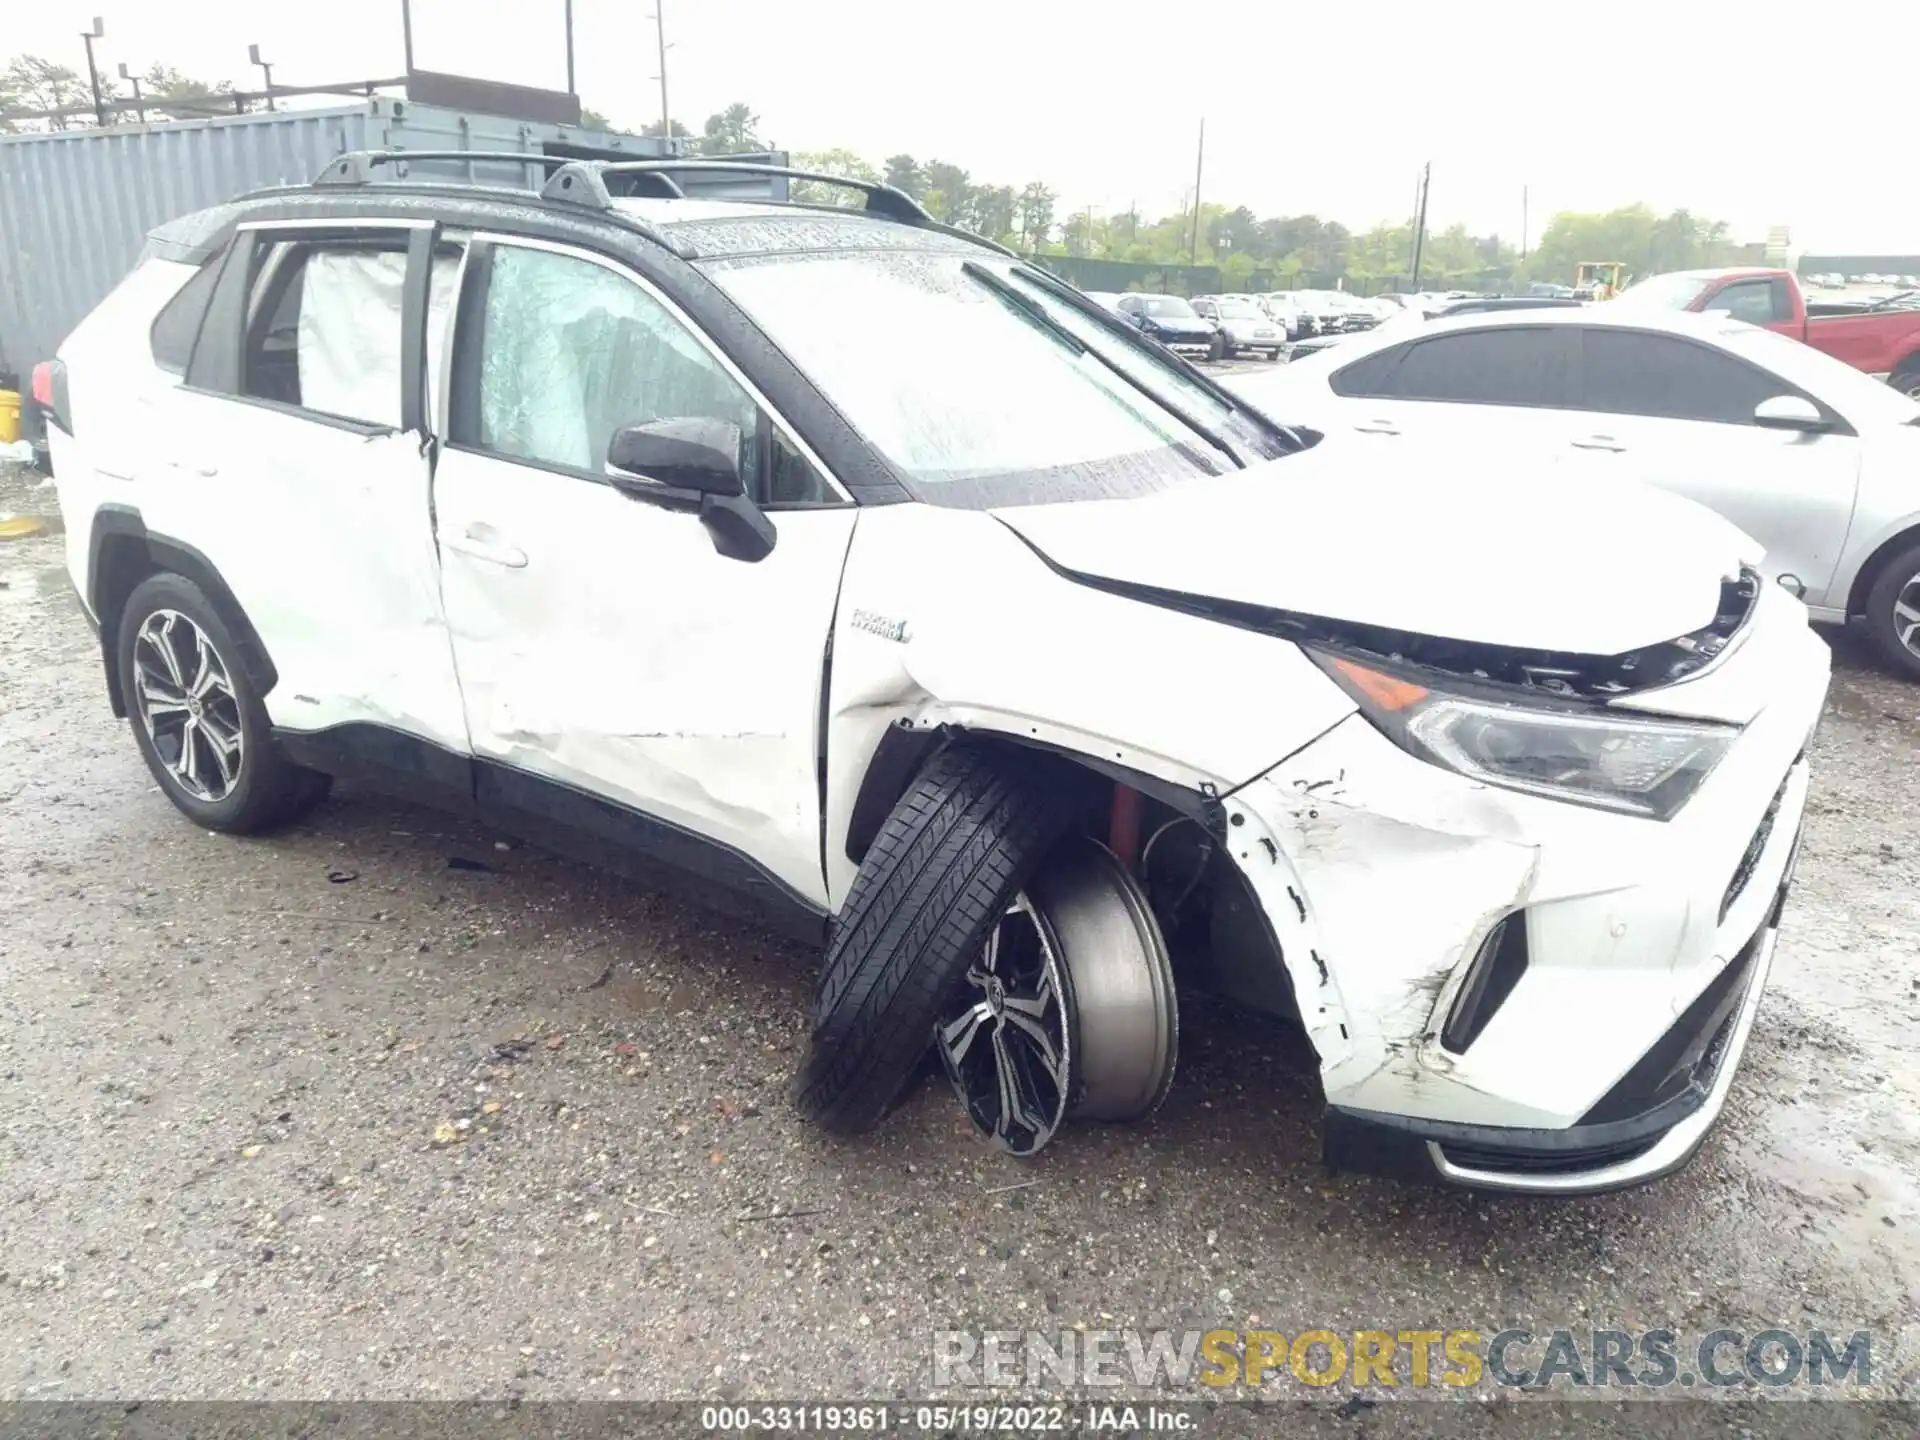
1881, 338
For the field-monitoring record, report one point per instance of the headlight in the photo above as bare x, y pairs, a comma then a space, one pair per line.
1648, 767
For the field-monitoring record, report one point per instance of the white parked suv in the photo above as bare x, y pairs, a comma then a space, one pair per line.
890, 588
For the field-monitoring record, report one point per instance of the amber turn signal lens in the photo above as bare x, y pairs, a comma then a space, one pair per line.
1389, 692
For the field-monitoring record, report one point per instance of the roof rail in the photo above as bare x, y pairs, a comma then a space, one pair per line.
356, 167
581, 183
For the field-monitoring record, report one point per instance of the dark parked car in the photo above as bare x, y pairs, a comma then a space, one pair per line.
1173, 322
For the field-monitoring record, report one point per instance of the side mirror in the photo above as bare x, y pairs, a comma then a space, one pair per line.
692, 463
690, 454
1790, 412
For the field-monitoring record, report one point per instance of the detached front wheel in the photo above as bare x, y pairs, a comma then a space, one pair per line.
941, 874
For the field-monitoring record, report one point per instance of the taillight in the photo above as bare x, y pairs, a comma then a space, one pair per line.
50, 392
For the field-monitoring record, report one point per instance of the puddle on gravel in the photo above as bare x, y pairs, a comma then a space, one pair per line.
21, 586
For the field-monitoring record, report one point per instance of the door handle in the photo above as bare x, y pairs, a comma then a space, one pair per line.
1600, 442
1378, 427
205, 472
491, 551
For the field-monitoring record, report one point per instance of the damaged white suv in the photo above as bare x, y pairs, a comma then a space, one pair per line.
888, 585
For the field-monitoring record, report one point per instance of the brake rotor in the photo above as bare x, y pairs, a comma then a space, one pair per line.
1069, 1009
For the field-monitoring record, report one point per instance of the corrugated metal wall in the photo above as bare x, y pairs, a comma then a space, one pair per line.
76, 206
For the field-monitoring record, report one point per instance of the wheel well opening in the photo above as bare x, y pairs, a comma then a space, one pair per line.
121, 562
1870, 572
1218, 935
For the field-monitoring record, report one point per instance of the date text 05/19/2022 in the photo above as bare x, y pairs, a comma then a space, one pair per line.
946, 1419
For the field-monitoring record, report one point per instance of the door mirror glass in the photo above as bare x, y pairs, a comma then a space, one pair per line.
1789, 412
694, 453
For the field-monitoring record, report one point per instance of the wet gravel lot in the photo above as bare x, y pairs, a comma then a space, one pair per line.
389, 1106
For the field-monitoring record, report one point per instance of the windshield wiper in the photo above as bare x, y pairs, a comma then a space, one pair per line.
1035, 313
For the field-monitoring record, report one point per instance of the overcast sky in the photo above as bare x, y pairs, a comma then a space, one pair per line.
1760, 116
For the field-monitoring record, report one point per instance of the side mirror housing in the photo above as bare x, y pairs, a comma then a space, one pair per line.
692, 463
1790, 412
691, 454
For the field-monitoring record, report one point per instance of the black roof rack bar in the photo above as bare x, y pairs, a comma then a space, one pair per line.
581, 183
356, 167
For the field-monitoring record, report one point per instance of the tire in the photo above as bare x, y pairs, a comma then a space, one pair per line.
1217, 349
953, 853
217, 761
1897, 585
1273, 356
1907, 380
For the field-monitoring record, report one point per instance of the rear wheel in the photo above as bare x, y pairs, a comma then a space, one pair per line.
197, 716
1907, 379
1893, 612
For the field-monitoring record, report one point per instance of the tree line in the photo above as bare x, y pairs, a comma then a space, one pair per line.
1243, 247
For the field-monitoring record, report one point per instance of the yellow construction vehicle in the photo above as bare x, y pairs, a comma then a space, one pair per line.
1599, 279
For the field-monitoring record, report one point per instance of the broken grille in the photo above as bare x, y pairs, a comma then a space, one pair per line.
1756, 847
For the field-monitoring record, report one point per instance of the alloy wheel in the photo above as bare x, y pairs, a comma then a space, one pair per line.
186, 700
1906, 615
1006, 1050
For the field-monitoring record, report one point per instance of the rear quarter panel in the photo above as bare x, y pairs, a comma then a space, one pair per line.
116, 396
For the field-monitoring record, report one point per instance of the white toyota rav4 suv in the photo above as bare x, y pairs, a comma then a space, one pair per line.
882, 582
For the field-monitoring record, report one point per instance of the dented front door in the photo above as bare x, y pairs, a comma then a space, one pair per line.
603, 645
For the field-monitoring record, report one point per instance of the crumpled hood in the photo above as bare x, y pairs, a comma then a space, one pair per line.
1439, 544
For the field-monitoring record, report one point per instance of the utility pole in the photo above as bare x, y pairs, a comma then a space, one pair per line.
1420, 221
660, 35
1199, 164
93, 71
569, 24
139, 106
406, 31
253, 54
1523, 222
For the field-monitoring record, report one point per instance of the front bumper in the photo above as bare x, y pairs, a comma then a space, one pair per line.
1595, 1156
1185, 342
1274, 339
1646, 943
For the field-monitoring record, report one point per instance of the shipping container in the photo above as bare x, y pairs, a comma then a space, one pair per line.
76, 205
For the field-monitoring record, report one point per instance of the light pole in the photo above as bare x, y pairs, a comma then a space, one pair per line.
569, 25
139, 106
93, 71
1199, 164
660, 35
253, 54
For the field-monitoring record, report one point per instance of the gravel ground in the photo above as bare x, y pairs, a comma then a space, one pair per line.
330, 1115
